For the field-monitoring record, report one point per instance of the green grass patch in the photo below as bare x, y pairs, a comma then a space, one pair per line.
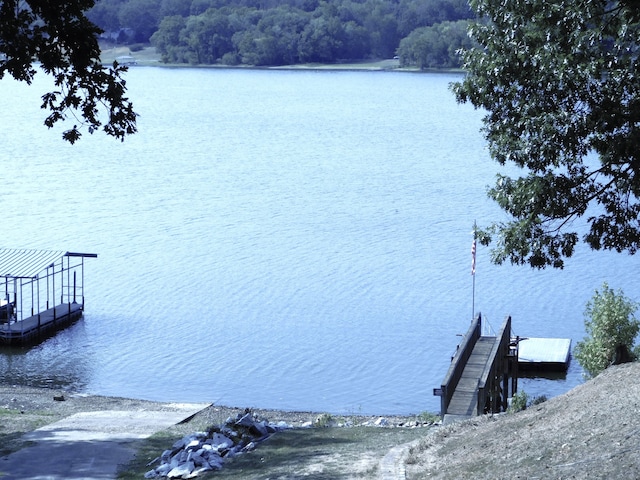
16, 423
148, 450
9, 411
312, 453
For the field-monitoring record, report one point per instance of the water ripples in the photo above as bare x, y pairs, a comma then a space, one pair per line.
293, 240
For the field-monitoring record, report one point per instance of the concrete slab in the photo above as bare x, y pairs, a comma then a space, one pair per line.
89, 445
451, 418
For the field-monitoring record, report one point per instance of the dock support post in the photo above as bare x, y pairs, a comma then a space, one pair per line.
513, 364
505, 384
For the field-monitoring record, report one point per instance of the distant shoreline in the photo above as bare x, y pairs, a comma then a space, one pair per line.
147, 57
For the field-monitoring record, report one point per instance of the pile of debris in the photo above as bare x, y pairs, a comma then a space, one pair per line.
206, 451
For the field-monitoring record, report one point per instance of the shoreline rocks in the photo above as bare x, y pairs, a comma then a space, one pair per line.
202, 452
206, 451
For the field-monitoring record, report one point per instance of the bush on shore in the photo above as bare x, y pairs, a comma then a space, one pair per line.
611, 328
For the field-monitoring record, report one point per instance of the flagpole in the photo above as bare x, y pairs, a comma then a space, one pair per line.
473, 273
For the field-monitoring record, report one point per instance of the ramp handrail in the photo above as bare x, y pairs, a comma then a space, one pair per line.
458, 362
489, 382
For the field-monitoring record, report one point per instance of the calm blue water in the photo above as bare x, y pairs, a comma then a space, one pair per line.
293, 240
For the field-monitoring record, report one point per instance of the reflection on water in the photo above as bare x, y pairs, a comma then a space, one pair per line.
55, 363
543, 374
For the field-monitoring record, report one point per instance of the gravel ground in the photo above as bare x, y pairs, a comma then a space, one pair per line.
24, 409
592, 431
52, 405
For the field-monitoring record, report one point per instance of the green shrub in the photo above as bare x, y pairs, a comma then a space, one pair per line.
428, 417
324, 420
230, 58
611, 328
518, 402
538, 400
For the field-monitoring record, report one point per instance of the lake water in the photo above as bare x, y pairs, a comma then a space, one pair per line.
276, 239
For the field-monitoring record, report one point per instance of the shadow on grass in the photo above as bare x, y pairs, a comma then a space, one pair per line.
12, 442
310, 453
289, 452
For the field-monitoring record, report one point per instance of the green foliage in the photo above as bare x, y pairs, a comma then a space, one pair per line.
518, 402
324, 420
137, 47
538, 400
429, 417
559, 83
64, 44
142, 17
435, 46
611, 328
283, 31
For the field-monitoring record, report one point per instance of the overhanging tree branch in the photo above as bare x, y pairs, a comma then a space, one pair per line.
559, 84
57, 35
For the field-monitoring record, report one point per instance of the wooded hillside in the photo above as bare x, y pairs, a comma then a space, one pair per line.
424, 33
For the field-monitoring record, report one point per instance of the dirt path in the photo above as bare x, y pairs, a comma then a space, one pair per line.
393, 464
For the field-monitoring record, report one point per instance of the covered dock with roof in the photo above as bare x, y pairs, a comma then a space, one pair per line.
41, 292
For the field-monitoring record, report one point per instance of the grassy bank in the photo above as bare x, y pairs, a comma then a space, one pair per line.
588, 432
313, 453
325, 451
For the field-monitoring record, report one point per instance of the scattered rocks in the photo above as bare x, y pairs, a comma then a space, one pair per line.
206, 451
381, 422
328, 420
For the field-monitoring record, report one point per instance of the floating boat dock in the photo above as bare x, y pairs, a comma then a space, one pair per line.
484, 370
41, 292
547, 354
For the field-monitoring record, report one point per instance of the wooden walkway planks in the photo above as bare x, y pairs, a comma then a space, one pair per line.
477, 380
465, 398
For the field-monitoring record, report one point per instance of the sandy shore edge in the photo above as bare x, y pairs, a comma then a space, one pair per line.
25, 408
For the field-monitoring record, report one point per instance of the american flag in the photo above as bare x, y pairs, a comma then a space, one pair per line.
473, 257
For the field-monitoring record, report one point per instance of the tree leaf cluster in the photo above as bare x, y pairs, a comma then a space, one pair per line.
279, 32
435, 46
560, 86
58, 37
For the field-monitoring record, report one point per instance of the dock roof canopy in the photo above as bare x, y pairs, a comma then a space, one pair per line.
26, 263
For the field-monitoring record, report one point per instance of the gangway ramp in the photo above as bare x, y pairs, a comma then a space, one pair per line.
477, 379
464, 400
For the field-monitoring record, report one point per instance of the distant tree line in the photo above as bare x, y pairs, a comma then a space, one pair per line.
425, 33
